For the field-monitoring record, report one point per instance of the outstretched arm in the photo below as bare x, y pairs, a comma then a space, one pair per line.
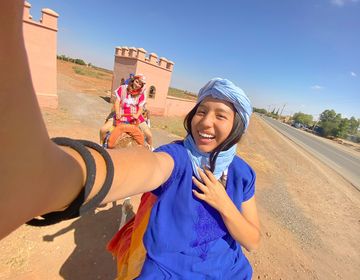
37, 176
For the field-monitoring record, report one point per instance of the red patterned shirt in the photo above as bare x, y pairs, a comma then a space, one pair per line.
129, 104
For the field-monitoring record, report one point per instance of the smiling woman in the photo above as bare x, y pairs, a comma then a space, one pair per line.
206, 173
197, 224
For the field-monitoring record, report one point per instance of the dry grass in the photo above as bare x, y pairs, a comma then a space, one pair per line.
91, 72
179, 93
173, 125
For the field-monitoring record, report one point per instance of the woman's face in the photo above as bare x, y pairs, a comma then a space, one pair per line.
212, 123
137, 84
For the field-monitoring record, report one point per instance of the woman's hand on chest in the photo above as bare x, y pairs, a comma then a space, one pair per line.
212, 191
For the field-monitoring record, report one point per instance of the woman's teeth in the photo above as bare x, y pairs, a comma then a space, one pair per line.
207, 136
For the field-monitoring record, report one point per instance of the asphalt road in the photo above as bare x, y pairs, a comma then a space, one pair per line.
345, 163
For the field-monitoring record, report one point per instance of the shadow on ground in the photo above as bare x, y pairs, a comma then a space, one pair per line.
90, 259
106, 98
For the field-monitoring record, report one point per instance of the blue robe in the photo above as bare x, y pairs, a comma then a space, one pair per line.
186, 238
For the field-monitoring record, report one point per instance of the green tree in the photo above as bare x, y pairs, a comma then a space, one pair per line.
329, 122
261, 111
343, 128
62, 57
302, 118
353, 126
79, 61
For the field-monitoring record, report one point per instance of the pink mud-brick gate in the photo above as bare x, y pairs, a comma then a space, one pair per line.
41, 45
158, 73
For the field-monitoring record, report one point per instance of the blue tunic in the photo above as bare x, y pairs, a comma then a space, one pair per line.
186, 238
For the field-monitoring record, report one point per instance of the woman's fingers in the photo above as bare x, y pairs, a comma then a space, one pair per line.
210, 175
203, 176
201, 186
199, 195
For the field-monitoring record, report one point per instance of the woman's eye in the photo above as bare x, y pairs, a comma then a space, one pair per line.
221, 117
200, 113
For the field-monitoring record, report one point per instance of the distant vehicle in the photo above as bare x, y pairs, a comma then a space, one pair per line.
316, 129
298, 125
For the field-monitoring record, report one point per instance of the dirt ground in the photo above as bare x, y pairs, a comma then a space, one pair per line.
310, 216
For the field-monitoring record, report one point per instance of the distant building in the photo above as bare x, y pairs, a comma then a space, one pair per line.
41, 46
157, 71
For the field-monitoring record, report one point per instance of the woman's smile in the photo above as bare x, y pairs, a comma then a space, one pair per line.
205, 138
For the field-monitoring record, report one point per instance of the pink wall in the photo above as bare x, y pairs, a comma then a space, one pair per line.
157, 71
178, 107
41, 47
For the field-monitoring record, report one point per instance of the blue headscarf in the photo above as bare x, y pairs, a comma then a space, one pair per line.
225, 90
201, 159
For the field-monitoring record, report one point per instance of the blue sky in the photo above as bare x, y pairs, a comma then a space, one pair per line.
300, 55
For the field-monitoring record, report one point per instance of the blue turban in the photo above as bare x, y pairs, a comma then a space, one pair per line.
225, 90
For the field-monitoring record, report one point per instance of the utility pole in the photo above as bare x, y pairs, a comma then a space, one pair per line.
282, 110
315, 125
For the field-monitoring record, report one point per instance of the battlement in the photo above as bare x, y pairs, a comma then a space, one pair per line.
49, 18
41, 44
142, 55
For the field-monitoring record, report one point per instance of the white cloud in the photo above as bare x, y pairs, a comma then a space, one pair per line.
338, 2
341, 3
353, 74
317, 87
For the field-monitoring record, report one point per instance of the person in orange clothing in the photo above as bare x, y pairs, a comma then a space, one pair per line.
128, 108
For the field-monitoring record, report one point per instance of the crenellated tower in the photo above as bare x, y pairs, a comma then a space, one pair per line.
157, 70
41, 47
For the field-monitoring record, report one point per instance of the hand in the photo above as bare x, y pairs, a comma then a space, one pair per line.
117, 116
213, 192
135, 119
